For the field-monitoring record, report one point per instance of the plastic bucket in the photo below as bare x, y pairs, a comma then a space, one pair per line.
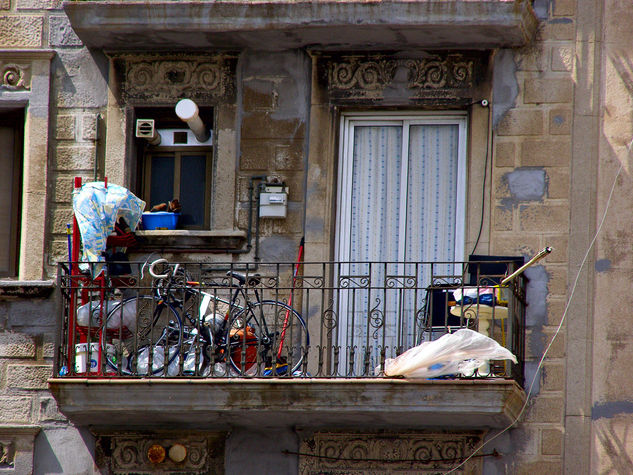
81, 357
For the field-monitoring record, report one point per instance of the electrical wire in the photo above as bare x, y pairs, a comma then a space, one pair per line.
558, 329
489, 142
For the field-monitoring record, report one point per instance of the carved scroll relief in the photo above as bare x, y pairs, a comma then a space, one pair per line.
369, 453
368, 76
155, 79
15, 77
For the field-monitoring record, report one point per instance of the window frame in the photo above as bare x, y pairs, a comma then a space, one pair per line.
15, 119
349, 120
150, 152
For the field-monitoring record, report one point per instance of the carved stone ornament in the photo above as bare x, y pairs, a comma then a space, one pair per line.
338, 453
367, 77
15, 77
131, 453
364, 75
155, 79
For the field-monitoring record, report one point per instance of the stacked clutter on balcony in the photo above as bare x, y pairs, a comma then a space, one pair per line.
105, 217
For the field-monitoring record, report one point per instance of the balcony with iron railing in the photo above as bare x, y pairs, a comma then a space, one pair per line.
199, 343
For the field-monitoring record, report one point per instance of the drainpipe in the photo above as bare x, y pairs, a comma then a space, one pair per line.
187, 111
249, 231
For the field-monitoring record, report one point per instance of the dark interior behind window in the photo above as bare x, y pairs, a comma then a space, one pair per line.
11, 152
177, 171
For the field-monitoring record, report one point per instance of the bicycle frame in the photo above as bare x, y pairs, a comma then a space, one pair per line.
236, 323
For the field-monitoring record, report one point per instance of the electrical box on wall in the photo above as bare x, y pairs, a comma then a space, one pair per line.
273, 201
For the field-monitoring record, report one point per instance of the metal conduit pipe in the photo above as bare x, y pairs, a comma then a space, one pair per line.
187, 111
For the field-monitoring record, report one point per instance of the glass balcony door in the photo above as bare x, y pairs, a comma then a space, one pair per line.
400, 199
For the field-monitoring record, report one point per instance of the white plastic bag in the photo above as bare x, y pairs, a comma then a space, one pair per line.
116, 313
158, 366
459, 352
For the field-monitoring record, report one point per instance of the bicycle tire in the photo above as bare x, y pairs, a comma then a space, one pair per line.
267, 338
155, 323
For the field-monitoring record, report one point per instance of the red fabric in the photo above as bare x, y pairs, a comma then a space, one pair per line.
124, 240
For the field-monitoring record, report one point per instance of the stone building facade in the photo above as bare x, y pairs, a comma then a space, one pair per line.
547, 164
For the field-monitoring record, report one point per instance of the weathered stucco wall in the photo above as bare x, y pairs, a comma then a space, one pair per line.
561, 111
610, 399
533, 106
274, 116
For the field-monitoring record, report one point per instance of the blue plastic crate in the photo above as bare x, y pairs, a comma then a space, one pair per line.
160, 220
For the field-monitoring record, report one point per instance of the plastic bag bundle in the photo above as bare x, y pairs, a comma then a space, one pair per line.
481, 295
97, 209
459, 352
115, 314
158, 357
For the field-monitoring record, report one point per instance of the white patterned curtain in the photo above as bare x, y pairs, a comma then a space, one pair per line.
400, 210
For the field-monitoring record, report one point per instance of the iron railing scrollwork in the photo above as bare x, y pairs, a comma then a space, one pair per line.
328, 320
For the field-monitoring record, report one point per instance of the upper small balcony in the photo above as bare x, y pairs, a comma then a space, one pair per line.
198, 344
276, 25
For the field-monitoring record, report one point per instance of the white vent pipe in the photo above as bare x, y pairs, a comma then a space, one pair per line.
187, 110
154, 139
145, 130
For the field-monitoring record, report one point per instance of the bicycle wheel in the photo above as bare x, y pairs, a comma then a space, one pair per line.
259, 331
134, 327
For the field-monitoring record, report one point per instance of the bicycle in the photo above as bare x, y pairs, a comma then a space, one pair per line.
231, 330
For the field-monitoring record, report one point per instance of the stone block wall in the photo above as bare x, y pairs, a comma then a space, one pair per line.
78, 97
532, 203
26, 362
273, 142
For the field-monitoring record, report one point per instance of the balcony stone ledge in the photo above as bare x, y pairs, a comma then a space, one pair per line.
218, 404
182, 240
276, 25
15, 289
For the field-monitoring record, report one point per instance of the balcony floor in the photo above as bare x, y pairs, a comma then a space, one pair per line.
212, 404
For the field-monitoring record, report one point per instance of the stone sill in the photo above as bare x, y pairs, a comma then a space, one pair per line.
283, 25
25, 288
8, 430
186, 240
216, 404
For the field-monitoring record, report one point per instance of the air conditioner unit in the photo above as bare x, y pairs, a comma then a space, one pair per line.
181, 138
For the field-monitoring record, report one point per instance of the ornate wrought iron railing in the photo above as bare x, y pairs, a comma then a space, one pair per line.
318, 320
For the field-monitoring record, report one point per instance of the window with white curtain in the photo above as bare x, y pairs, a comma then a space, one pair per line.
401, 195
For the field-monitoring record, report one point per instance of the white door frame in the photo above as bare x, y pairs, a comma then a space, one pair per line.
406, 120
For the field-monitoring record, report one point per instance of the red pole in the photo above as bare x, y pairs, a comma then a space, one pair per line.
294, 279
74, 273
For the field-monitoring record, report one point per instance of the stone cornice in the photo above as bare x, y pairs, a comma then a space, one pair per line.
26, 54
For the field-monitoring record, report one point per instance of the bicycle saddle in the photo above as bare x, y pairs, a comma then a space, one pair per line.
253, 279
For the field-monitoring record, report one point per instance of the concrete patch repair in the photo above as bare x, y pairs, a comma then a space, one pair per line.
526, 184
607, 410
